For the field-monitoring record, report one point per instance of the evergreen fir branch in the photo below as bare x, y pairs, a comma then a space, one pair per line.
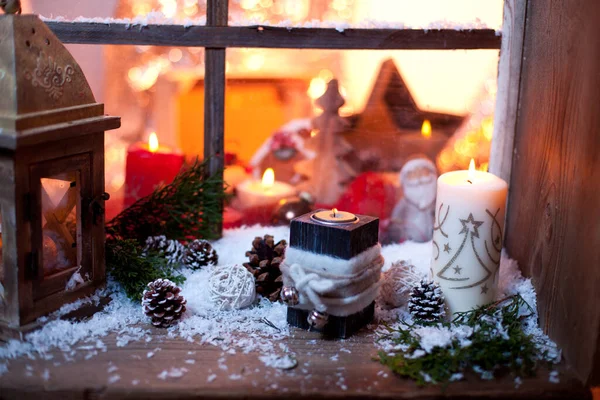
190, 207
125, 263
498, 342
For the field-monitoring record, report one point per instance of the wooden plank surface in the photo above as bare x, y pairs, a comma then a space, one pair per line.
509, 79
324, 371
273, 37
553, 225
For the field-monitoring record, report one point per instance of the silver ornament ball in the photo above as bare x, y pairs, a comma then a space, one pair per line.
317, 319
289, 295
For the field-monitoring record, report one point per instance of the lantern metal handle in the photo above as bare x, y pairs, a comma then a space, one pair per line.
97, 207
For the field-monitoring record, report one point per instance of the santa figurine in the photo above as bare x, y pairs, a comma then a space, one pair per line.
413, 216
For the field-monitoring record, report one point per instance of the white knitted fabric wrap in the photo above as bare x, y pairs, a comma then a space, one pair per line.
333, 285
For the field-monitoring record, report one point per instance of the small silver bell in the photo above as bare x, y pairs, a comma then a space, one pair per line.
317, 319
289, 295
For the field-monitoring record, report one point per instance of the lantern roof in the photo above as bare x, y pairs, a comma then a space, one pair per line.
44, 94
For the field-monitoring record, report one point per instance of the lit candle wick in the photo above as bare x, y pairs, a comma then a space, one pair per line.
471, 173
334, 212
268, 179
153, 143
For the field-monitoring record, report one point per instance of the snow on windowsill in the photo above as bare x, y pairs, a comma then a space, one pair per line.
152, 18
157, 18
260, 329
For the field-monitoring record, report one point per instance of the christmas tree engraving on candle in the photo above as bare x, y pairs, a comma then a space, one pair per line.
467, 237
438, 227
497, 242
470, 229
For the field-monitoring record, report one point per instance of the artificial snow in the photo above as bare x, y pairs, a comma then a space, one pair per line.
432, 337
261, 328
172, 373
280, 362
158, 18
46, 375
152, 18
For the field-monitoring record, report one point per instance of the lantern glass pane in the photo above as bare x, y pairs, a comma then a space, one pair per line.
61, 234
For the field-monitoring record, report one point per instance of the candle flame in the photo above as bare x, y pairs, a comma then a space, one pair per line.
334, 212
426, 129
268, 178
153, 143
471, 170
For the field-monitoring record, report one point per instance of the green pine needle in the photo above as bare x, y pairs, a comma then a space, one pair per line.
488, 353
125, 263
188, 208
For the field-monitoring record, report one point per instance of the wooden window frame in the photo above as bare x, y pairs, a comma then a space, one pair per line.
216, 36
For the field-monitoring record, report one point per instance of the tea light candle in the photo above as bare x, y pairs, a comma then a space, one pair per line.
334, 217
467, 237
263, 193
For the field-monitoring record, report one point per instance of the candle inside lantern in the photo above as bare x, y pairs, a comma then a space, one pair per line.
263, 193
149, 165
467, 237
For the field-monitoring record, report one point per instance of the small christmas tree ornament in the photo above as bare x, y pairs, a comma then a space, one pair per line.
290, 295
163, 303
427, 301
265, 258
200, 253
397, 283
232, 287
172, 250
317, 319
329, 172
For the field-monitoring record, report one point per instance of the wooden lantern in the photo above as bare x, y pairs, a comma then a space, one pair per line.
51, 174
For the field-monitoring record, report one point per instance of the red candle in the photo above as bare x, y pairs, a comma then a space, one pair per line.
148, 167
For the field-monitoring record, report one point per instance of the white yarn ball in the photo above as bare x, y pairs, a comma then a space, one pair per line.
231, 287
397, 283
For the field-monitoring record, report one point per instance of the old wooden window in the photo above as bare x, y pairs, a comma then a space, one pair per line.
213, 38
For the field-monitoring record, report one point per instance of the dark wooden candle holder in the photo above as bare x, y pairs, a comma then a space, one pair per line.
340, 241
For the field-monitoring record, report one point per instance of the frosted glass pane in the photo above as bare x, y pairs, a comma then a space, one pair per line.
60, 200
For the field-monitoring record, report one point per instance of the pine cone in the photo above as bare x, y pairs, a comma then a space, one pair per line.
264, 260
199, 253
162, 303
172, 250
427, 301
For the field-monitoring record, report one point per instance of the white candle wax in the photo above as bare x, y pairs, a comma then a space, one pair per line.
253, 193
467, 237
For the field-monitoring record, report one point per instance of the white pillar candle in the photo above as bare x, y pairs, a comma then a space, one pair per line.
467, 237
